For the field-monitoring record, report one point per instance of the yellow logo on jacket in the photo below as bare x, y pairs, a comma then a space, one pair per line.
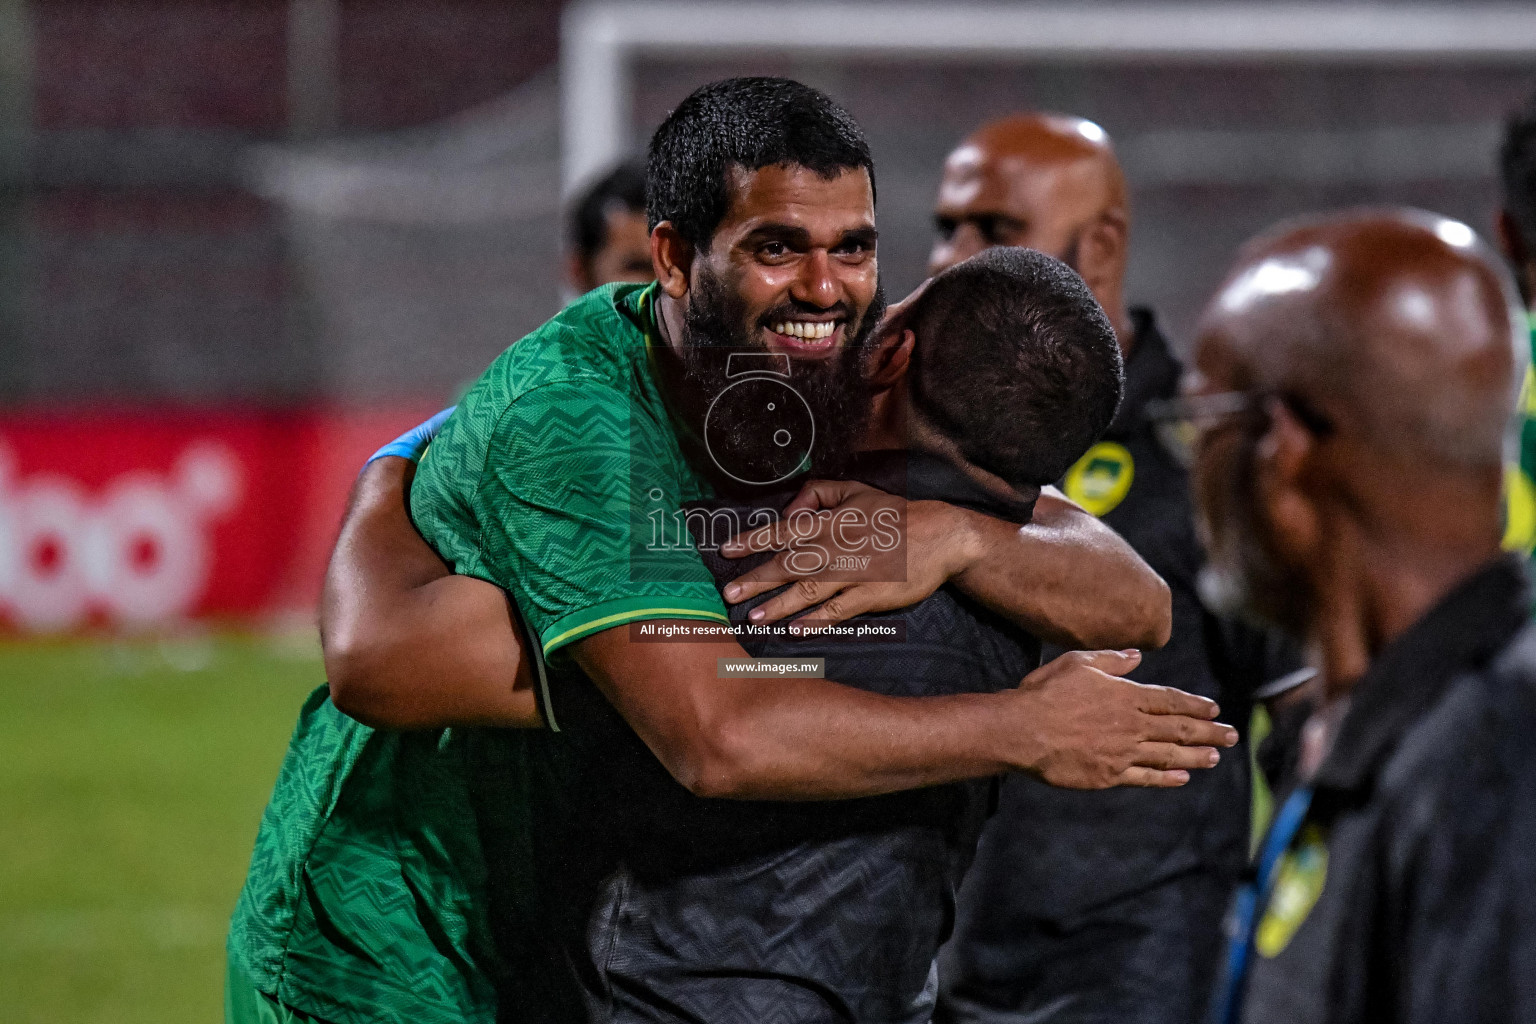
1299, 879
1519, 488
1101, 478
1519, 510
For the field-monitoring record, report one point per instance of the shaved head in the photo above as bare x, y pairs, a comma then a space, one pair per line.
1026, 146
1375, 356
1048, 182
1398, 322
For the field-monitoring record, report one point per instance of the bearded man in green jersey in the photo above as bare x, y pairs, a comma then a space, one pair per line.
1516, 226
365, 900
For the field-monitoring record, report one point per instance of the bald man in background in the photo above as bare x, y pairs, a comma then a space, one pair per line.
1085, 907
1354, 382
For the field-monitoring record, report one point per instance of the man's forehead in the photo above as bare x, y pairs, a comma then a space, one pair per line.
620, 220
1255, 347
973, 176
793, 194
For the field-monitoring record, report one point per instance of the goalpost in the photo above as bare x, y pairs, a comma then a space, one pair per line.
602, 40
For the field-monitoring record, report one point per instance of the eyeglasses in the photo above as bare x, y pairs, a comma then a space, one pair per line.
1179, 422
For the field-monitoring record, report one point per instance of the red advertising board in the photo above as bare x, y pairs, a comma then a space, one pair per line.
142, 518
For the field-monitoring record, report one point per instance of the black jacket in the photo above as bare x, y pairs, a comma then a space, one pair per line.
618, 896
1106, 906
1409, 893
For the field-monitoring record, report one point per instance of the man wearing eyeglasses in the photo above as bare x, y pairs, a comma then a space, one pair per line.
1353, 382
1102, 908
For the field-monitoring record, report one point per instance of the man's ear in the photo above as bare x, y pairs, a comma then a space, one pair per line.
892, 355
671, 259
1101, 249
578, 273
1285, 471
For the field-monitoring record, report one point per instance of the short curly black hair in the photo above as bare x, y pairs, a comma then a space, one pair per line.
1015, 363
749, 123
622, 188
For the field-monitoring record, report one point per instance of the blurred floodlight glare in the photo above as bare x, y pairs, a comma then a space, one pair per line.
1455, 233
1275, 276
1090, 131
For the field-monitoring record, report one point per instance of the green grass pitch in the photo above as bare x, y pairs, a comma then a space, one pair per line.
132, 779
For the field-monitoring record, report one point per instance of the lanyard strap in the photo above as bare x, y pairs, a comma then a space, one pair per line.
1251, 901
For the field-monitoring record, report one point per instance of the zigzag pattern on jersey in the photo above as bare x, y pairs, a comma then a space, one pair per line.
364, 901
590, 344
541, 481
577, 537
321, 753
366, 835
391, 920
837, 930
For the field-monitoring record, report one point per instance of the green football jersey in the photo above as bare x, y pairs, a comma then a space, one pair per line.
366, 896
557, 473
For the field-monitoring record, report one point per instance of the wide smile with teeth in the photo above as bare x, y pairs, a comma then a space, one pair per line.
806, 330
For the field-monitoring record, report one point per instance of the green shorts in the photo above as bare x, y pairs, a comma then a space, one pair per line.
243, 1004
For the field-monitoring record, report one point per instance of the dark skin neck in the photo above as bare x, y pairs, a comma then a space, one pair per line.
669, 359
669, 321
1372, 585
888, 426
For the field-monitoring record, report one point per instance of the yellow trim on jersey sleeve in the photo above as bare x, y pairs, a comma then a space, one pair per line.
573, 627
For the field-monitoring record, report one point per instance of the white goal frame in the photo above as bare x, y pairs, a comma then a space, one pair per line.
601, 39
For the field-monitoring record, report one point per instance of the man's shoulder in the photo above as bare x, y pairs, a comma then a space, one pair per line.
1498, 695
597, 337
595, 345
1463, 750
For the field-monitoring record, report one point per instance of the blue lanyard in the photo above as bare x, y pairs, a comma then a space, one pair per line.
1252, 898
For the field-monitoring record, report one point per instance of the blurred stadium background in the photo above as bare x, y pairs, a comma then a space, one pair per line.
243, 242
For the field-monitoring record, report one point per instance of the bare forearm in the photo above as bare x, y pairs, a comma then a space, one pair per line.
1069, 579
1070, 721
407, 644
802, 739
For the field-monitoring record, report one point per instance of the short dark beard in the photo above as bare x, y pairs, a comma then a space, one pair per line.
835, 390
1243, 577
